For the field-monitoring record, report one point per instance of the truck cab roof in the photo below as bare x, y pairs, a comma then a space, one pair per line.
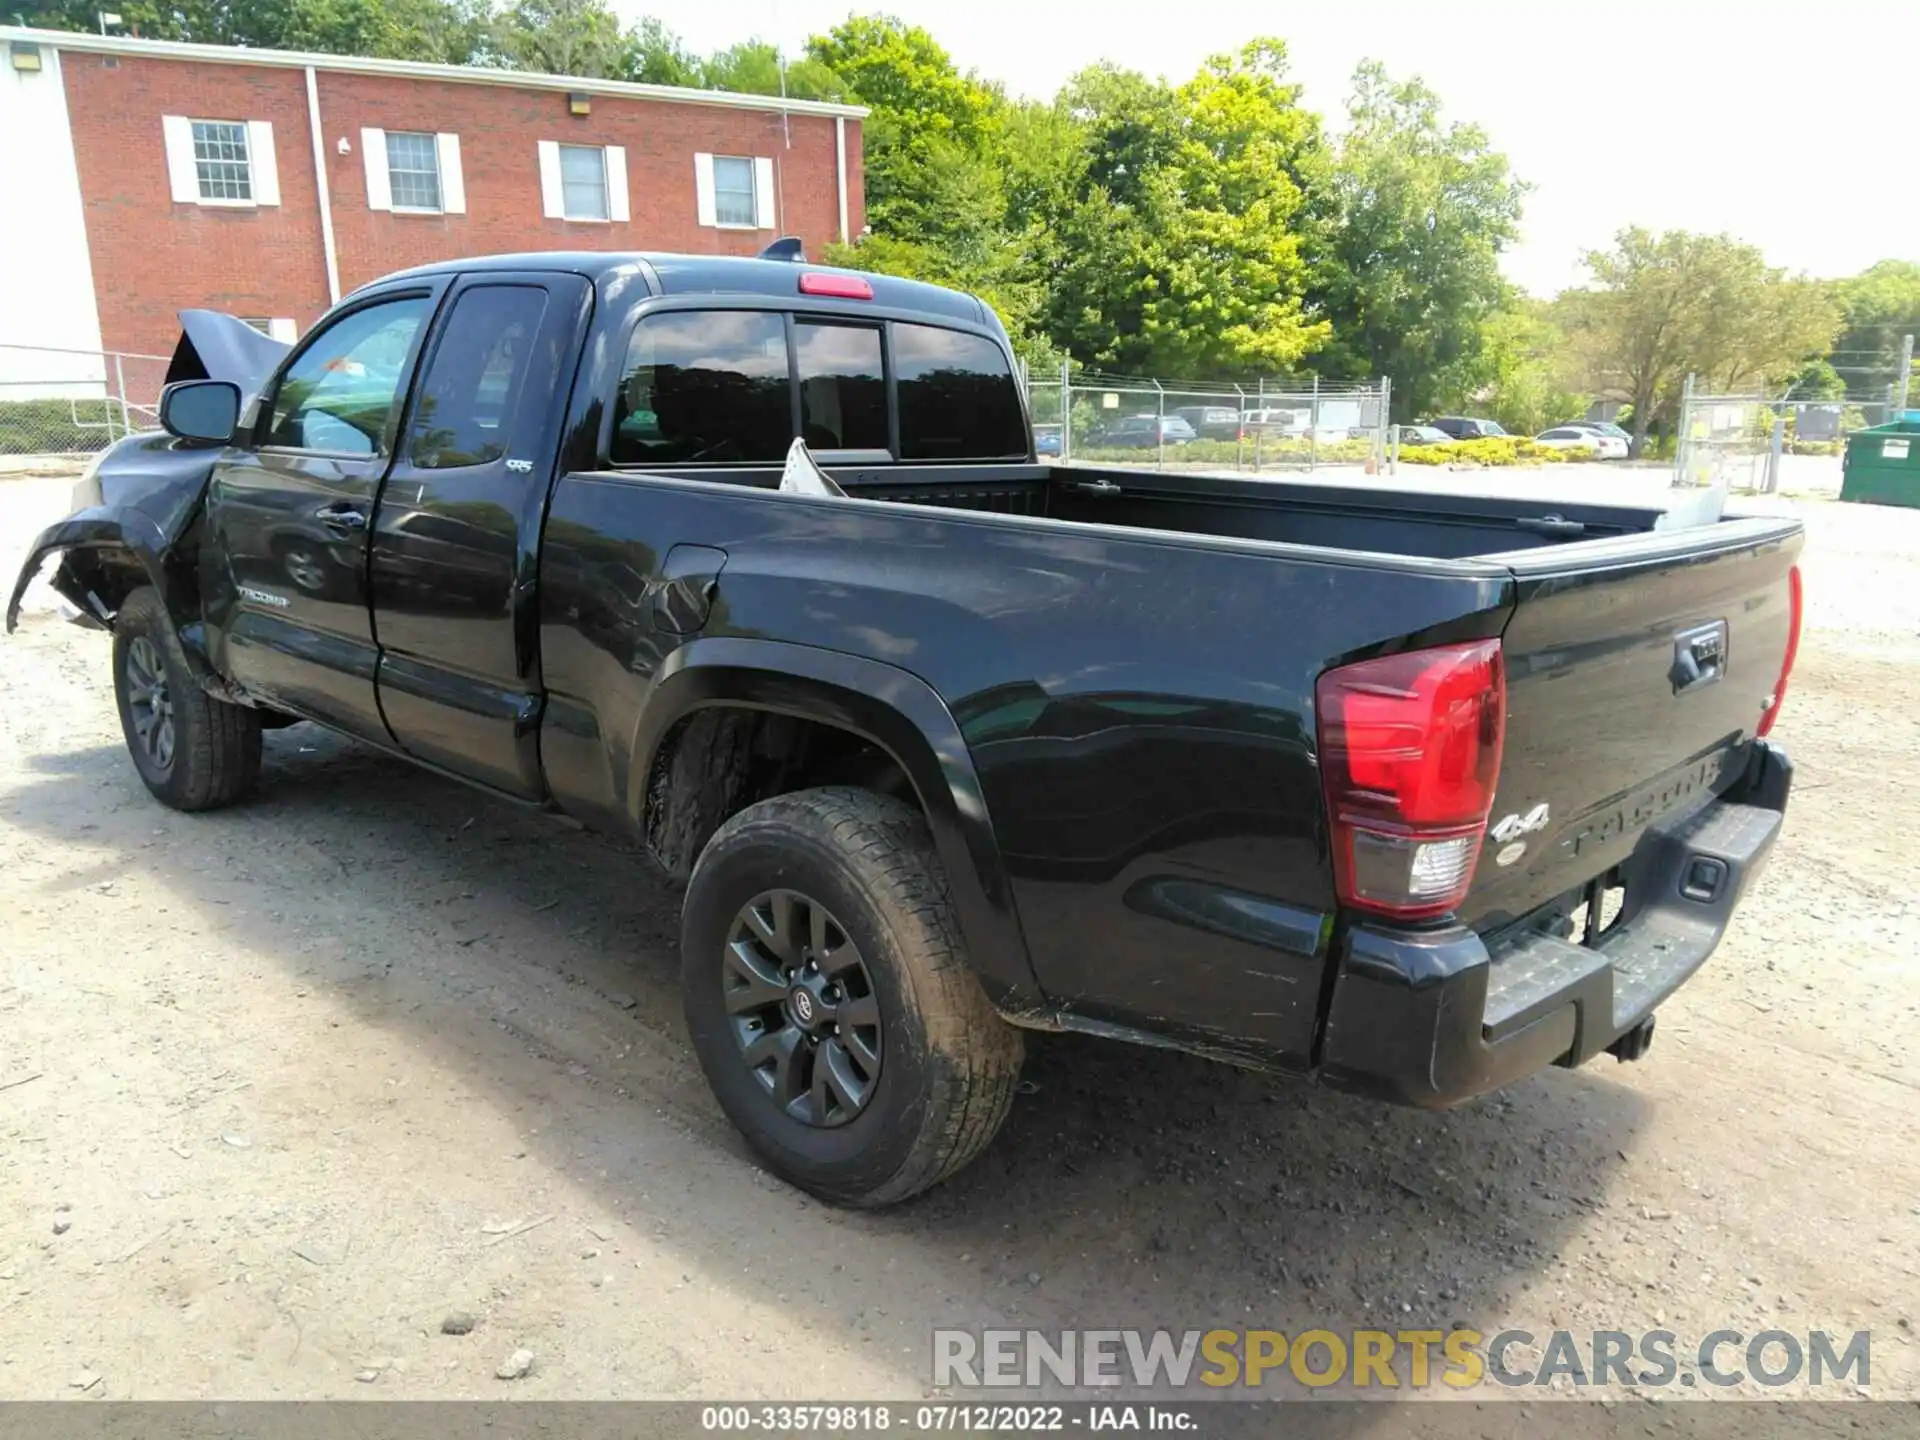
671, 274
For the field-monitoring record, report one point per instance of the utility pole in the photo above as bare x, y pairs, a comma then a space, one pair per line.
1904, 380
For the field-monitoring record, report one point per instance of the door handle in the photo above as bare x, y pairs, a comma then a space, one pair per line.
342, 517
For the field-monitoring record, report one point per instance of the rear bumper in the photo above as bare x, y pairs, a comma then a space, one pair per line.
1431, 1018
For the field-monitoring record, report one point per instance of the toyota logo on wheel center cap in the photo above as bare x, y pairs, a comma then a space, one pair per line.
803, 1006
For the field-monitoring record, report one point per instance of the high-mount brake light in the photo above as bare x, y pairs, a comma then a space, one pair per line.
1409, 758
1796, 605
844, 287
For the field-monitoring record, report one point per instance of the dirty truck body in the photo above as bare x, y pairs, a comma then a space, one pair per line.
1409, 794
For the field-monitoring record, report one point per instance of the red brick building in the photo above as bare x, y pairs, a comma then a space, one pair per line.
138, 178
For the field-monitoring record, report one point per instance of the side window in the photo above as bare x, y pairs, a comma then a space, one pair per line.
843, 390
340, 394
704, 386
472, 385
957, 396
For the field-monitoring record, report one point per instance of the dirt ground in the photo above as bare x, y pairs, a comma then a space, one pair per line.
309, 1074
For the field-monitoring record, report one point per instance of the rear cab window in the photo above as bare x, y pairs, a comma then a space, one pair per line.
704, 387
735, 387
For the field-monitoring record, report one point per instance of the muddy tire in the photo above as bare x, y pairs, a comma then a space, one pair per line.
192, 751
830, 1001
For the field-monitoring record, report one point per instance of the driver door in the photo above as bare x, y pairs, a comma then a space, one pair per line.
290, 515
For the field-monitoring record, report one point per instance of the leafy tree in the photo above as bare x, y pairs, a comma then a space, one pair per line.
1816, 380
1522, 375
1881, 304
656, 56
564, 37
1176, 226
1415, 216
1677, 303
457, 32
925, 140
754, 67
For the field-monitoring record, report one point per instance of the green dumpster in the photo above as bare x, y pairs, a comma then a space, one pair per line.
1882, 465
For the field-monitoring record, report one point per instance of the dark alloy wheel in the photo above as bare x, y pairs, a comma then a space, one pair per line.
802, 1007
191, 749
830, 1001
149, 705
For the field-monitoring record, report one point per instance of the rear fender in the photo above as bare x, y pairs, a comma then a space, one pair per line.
893, 710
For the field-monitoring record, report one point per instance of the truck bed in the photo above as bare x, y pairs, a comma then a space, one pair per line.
1341, 517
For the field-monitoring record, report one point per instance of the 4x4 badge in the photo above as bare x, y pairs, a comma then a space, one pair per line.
1512, 827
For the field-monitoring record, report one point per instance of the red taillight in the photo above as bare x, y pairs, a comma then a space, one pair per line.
847, 287
1409, 756
1794, 606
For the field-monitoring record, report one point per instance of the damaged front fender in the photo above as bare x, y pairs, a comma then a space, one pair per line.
120, 529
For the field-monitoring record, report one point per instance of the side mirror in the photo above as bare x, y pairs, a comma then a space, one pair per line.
204, 411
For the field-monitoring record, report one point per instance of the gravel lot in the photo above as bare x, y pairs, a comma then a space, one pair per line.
310, 1074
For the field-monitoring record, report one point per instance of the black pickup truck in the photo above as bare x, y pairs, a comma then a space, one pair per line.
1408, 793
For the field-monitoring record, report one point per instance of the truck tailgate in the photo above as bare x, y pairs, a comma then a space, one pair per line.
1637, 670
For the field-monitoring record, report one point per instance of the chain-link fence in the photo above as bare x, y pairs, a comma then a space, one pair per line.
1756, 445
74, 402
1186, 425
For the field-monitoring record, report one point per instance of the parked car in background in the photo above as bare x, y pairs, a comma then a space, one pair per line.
1046, 441
1212, 422
1274, 420
1599, 427
1148, 431
1423, 435
1565, 437
1466, 427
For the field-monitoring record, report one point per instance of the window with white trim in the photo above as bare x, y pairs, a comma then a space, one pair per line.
733, 201
413, 170
583, 182
735, 192
220, 161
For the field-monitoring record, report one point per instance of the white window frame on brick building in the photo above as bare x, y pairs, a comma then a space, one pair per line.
377, 155
206, 155
709, 171
280, 328
555, 186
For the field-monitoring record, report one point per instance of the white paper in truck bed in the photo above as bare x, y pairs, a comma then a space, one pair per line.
1691, 509
803, 477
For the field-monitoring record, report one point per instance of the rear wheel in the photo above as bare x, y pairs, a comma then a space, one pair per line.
192, 751
829, 999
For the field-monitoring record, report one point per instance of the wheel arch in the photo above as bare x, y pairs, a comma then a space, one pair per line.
896, 713
121, 548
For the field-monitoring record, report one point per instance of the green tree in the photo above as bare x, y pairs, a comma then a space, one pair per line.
563, 37
656, 56
1416, 213
928, 126
935, 167
1176, 228
1665, 306
1881, 304
1523, 375
456, 32
754, 67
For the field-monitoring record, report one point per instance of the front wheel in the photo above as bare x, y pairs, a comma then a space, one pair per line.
192, 751
829, 999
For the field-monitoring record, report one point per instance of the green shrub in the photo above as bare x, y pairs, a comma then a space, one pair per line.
1502, 450
46, 427
1273, 452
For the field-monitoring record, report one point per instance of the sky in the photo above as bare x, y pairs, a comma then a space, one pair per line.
1793, 126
